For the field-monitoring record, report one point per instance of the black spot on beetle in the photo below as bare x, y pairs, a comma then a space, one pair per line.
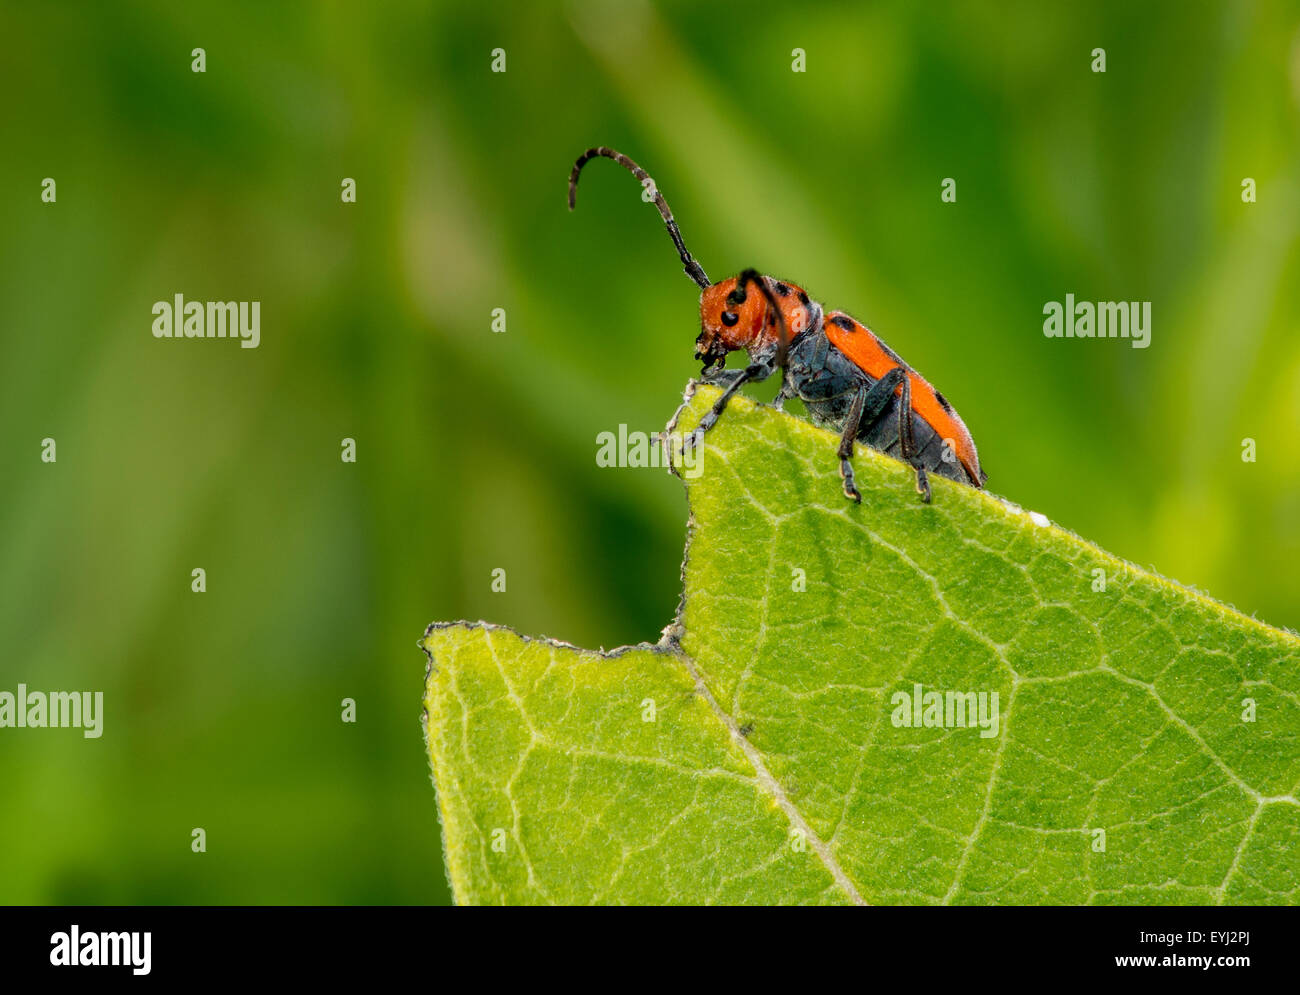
782, 290
737, 296
846, 323
803, 298
943, 402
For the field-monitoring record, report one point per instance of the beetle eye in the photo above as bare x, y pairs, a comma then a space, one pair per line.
729, 318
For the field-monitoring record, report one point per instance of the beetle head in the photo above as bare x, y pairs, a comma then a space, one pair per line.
731, 317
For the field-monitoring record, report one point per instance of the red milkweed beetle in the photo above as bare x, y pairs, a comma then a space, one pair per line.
848, 379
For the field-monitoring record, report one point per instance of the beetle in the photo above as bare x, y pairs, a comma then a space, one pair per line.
847, 377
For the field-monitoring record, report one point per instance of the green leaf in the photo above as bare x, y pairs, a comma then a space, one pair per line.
755, 754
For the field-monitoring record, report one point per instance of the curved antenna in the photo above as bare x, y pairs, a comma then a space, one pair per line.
777, 315
693, 269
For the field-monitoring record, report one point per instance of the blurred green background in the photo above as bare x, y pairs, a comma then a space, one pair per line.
477, 450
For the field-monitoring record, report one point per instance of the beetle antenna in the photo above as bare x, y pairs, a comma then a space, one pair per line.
777, 315
693, 269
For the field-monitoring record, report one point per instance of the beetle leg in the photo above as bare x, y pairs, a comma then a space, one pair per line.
845, 453
754, 372
722, 377
782, 395
867, 405
881, 391
907, 442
